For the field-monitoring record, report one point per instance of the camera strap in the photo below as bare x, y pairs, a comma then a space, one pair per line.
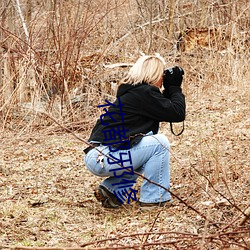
172, 130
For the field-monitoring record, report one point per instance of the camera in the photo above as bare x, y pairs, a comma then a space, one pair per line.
166, 72
171, 71
173, 76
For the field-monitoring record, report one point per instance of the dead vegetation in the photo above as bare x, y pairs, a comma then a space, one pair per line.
55, 58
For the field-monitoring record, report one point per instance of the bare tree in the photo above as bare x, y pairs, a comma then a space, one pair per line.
171, 19
6, 62
150, 11
27, 86
203, 22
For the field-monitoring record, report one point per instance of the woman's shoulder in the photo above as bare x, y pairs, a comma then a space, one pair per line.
142, 88
147, 88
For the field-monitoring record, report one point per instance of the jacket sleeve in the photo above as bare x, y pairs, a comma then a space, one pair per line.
168, 107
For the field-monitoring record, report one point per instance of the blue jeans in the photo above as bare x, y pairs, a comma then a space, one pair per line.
150, 157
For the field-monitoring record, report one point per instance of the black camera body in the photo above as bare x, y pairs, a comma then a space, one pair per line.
172, 69
169, 70
173, 76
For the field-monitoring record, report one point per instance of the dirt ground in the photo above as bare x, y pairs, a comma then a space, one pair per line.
46, 192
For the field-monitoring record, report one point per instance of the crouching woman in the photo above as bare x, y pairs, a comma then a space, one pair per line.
125, 138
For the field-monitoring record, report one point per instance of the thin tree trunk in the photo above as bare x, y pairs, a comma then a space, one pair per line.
6, 78
171, 19
150, 9
28, 90
25, 29
203, 20
28, 14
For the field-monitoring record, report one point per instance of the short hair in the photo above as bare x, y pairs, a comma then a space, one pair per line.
148, 69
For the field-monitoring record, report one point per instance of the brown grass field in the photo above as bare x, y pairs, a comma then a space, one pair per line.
65, 66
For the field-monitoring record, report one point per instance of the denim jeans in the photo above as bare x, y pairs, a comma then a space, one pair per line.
150, 157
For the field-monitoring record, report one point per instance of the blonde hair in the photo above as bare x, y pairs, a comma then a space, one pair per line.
148, 69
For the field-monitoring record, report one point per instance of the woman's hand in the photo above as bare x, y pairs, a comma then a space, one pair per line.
173, 77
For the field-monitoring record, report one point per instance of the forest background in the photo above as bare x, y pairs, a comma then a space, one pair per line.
60, 59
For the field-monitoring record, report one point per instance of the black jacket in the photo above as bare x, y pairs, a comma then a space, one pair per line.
144, 106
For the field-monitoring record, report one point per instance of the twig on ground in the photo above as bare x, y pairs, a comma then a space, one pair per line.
175, 237
246, 216
156, 217
217, 191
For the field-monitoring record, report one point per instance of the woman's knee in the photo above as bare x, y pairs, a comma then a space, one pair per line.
162, 140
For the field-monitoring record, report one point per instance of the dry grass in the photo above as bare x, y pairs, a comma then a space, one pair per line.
46, 193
